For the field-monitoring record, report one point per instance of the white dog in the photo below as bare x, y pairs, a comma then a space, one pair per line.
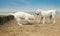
43, 14
19, 15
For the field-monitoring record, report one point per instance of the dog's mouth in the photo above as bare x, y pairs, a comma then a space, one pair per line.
37, 14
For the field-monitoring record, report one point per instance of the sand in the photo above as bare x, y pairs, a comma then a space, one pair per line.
33, 29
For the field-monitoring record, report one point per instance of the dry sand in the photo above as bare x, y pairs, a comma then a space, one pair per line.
12, 29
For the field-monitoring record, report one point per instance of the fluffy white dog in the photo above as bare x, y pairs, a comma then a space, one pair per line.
20, 14
43, 14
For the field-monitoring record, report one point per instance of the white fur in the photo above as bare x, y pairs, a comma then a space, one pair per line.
45, 14
19, 15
